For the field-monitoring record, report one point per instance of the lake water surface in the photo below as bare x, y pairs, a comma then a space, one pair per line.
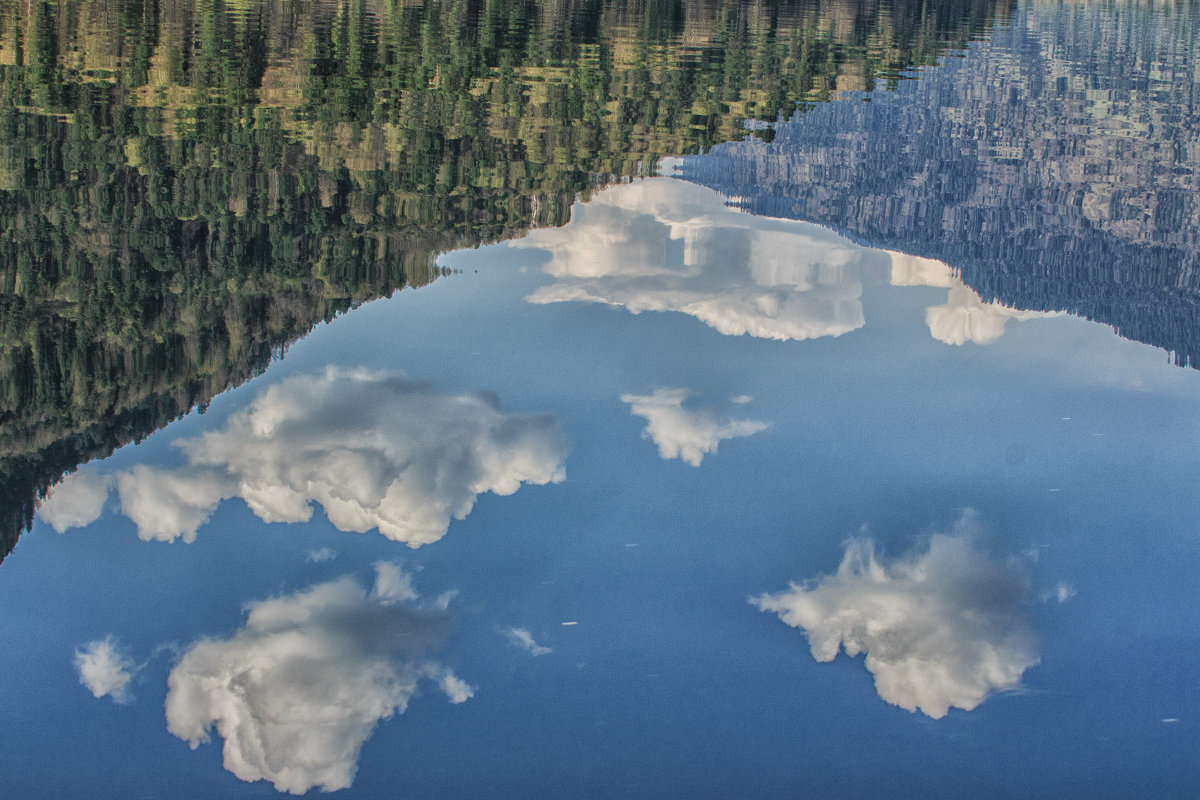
543, 400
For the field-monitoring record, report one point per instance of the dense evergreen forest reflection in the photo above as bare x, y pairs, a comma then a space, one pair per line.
1056, 167
186, 186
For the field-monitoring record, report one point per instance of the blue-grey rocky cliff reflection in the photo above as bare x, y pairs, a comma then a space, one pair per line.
1055, 166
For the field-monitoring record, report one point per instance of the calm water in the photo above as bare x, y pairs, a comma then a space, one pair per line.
687, 400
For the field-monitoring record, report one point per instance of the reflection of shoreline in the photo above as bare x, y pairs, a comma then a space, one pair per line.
262, 180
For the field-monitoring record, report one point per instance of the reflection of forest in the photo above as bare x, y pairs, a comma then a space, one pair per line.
186, 186
1056, 167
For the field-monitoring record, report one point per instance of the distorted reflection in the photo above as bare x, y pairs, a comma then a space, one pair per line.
940, 629
662, 245
1054, 166
374, 450
297, 691
682, 433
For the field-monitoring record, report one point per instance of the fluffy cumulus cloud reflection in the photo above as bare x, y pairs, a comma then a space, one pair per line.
941, 629
105, 670
296, 692
681, 433
375, 451
665, 245
77, 501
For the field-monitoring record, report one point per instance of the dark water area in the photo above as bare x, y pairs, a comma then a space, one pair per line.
599, 399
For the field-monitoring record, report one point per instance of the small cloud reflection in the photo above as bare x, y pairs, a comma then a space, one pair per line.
106, 670
1059, 594
322, 554
523, 639
940, 629
375, 451
298, 689
683, 434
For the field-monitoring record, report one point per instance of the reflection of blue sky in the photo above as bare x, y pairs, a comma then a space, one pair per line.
1070, 442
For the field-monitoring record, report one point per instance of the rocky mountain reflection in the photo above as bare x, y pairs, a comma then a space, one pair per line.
1055, 167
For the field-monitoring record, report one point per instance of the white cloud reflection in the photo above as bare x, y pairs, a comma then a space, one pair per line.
941, 629
522, 638
375, 451
105, 669
964, 317
322, 554
297, 691
683, 434
667, 245
77, 501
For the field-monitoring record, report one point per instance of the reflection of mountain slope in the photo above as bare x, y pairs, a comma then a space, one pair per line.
1055, 168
